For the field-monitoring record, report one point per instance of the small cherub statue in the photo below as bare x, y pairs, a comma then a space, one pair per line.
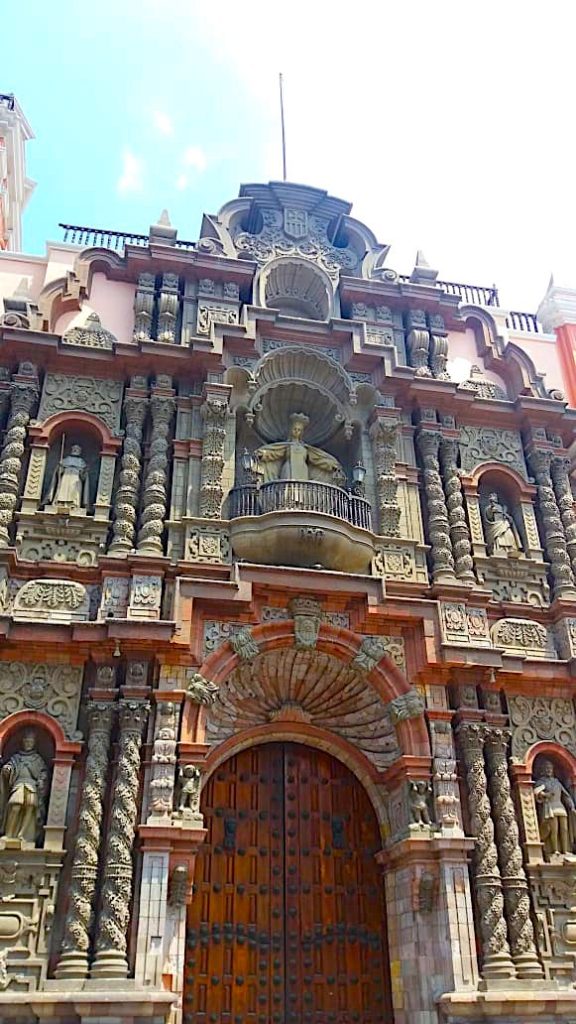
419, 794
189, 799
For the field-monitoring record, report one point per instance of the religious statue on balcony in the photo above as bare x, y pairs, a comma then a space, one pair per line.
556, 814
295, 460
70, 484
502, 537
23, 792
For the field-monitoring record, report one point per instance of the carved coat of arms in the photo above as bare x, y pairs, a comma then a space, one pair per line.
295, 223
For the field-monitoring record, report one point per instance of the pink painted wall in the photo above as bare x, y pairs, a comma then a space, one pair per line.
15, 268
114, 303
543, 352
462, 355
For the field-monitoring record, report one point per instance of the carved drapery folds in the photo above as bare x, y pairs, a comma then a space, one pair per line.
459, 532
155, 493
82, 891
126, 502
438, 524
488, 881
214, 414
23, 398
514, 883
113, 918
384, 434
556, 548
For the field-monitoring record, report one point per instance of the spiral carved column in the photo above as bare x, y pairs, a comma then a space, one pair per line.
563, 491
73, 961
459, 532
554, 538
514, 883
24, 396
114, 915
126, 503
487, 879
155, 494
438, 526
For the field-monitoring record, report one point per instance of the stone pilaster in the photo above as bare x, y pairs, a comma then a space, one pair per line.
459, 532
214, 414
163, 773
113, 917
559, 468
73, 962
23, 398
155, 496
127, 494
514, 883
486, 873
428, 442
384, 436
554, 539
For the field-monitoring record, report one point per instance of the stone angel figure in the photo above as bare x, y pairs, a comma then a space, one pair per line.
293, 459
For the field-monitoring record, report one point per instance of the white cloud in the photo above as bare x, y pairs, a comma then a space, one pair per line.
195, 157
131, 179
162, 122
182, 182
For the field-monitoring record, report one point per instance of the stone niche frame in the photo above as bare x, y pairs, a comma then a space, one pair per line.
29, 877
70, 536
552, 885
520, 580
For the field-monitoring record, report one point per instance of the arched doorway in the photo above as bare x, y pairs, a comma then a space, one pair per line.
287, 920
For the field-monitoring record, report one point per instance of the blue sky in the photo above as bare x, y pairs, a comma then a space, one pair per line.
448, 125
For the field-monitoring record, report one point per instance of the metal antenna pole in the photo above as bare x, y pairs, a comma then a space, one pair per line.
283, 127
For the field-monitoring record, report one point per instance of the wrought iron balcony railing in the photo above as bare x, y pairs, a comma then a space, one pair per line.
90, 238
300, 496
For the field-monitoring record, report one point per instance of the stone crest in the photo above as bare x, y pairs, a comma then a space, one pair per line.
295, 223
307, 614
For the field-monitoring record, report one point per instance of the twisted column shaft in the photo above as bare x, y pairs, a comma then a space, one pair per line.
155, 495
113, 918
126, 501
487, 879
563, 492
459, 532
73, 960
514, 883
554, 537
438, 526
23, 398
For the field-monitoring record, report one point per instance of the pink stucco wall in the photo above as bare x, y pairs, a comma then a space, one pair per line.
462, 355
15, 269
113, 301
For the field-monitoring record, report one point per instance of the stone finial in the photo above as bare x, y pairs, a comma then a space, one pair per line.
162, 233
422, 272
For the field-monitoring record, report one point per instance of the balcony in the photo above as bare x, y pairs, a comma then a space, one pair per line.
301, 523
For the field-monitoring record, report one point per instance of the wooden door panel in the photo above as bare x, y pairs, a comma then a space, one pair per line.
286, 921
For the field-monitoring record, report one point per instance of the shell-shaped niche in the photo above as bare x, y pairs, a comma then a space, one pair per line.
296, 379
296, 287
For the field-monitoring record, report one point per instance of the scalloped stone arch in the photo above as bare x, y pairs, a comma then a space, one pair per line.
40, 720
385, 678
296, 287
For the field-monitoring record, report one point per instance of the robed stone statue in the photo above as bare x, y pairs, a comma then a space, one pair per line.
556, 813
293, 459
23, 792
502, 536
70, 484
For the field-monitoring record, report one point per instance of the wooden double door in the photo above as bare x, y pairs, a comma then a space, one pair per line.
287, 920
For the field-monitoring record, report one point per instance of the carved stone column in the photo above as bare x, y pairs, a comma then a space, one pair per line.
155, 494
555, 542
488, 882
144, 308
514, 883
459, 532
23, 398
114, 914
428, 442
384, 434
127, 494
560, 467
168, 309
214, 413
73, 962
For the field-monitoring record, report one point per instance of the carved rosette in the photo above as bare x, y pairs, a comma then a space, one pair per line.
559, 470
438, 525
155, 484
383, 434
214, 413
83, 877
514, 883
554, 539
488, 882
459, 532
126, 502
23, 399
113, 918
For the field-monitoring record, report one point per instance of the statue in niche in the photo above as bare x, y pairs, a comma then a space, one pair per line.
23, 792
70, 484
556, 814
189, 800
295, 460
502, 537
420, 792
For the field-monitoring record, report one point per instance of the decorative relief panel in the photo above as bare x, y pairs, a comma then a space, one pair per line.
313, 243
53, 689
214, 313
515, 580
489, 444
90, 335
541, 718
207, 544
57, 600
523, 637
62, 393
28, 891
461, 624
